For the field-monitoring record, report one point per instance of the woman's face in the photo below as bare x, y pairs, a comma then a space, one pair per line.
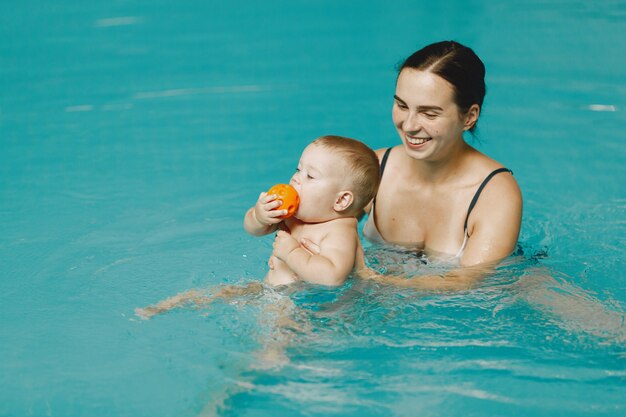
428, 120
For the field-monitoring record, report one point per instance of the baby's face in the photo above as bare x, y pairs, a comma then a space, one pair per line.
320, 176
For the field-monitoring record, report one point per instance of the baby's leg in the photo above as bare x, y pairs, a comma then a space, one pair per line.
198, 298
178, 300
231, 291
281, 320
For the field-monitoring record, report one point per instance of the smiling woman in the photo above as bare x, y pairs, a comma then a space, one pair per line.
438, 195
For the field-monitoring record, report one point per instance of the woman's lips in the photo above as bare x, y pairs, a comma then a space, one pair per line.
417, 141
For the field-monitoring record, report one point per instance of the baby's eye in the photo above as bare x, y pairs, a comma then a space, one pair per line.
310, 177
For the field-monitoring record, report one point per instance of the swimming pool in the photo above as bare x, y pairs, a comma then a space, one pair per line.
134, 134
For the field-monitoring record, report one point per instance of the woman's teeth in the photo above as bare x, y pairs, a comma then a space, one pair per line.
417, 141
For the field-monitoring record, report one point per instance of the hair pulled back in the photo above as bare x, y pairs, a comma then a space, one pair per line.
458, 65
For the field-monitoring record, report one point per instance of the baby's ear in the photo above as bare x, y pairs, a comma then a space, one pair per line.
343, 201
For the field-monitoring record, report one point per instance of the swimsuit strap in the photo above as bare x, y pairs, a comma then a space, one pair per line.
382, 169
480, 189
384, 161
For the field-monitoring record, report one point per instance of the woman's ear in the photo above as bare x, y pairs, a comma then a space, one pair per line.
471, 117
343, 201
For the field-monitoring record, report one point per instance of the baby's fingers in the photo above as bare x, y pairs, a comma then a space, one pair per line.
273, 205
270, 209
275, 216
270, 217
265, 198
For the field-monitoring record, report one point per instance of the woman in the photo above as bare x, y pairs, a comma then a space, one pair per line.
438, 194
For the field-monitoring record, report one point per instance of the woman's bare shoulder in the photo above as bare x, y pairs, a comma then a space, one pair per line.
502, 188
482, 165
499, 201
381, 152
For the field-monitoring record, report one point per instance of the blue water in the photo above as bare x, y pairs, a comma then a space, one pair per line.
135, 134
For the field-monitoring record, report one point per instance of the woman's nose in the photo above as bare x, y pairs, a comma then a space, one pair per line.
412, 122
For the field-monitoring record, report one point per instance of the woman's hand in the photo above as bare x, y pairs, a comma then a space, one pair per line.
310, 246
283, 245
306, 244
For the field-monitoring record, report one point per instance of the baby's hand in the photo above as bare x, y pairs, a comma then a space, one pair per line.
265, 209
283, 245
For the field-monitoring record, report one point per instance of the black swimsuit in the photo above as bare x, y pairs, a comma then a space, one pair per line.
469, 210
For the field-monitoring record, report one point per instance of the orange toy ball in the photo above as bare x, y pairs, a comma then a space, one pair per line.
289, 196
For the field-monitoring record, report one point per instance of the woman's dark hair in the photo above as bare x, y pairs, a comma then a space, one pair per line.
458, 65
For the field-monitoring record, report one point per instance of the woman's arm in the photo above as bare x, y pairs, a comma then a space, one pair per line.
495, 222
493, 228
331, 263
455, 280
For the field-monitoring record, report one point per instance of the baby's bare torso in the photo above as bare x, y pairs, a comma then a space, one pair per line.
280, 273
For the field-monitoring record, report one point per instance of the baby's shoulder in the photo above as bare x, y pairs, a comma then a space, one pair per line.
336, 227
341, 228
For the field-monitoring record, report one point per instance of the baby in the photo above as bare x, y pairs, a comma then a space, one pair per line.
336, 178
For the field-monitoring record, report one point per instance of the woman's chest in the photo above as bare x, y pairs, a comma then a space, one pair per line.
430, 219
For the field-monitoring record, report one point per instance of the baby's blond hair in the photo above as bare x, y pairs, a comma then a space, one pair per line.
362, 165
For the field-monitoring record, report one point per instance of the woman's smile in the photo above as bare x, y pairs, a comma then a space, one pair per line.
416, 141
423, 110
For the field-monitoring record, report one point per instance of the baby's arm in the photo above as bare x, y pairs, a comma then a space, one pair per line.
331, 266
263, 218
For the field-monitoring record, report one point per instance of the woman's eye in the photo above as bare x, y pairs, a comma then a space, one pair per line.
401, 106
431, 115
